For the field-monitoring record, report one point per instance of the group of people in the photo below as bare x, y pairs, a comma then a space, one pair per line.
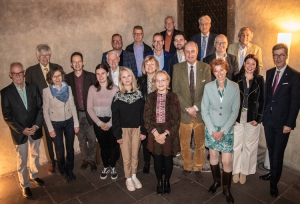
159, 98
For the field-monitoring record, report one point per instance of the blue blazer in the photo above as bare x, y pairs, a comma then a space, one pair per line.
221, 114
210, 44
166, 56
173, 59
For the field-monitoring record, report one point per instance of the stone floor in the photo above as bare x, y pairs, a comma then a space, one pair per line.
89, 188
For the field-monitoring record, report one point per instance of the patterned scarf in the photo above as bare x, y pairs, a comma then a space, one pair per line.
62, 94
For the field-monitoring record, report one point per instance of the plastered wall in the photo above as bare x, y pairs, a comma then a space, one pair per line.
68, 26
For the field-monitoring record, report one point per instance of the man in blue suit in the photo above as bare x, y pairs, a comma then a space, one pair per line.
127, 59
158, 52
280, 111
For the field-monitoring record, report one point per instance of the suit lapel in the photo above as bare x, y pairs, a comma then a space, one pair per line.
17, 96
269, 82
185, 76
29, 98
284, 79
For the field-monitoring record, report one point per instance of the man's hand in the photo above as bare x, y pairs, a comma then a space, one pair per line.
191, 111
27, 131
76, 129
120, 141
52, 134
253, 122
286, 129
142, 137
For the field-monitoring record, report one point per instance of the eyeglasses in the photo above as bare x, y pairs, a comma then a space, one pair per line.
157, 41
160, 81
138, 33
57, 76
221, 43
17, 74
279, 56
117, 41
204, 24
149, 64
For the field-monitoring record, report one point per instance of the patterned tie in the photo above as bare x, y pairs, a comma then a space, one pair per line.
192, 85
275, 83
203, 47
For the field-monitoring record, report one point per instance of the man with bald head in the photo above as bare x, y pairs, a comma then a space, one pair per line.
243, 48
189, 79
221, 44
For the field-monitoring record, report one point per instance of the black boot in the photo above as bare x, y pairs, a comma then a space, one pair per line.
215, 170
159, 187
226, 180
146, 167
167, 188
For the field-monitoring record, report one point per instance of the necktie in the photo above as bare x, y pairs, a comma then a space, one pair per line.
46, 70
275, 83
203, 47
192, 85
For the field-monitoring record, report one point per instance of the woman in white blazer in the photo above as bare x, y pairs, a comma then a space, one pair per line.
219, 109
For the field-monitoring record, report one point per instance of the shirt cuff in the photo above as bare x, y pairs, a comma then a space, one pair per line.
196, 108
99, 123
153, 131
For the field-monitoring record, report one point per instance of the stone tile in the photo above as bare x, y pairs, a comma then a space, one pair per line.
259, 189
60, 191
187, 191
45, 176
111, 193
18, 199
293, 193
78, 162
283, 200
153, 198
148, 182
288, 176
238, 196
9, 186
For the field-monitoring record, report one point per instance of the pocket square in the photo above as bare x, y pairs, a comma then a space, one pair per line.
284, 83
203, 80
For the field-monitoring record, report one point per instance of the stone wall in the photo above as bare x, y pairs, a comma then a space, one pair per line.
68, 26
267, 18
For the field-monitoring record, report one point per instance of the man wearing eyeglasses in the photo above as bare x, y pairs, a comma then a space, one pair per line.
36, 74
138, 47
158, 52
282, 102
22, 111
204, 39
221, 45
243, 48
127, 59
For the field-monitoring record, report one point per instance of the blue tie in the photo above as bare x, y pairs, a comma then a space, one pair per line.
203, 46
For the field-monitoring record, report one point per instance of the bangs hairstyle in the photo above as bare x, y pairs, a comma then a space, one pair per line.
51, 74
154, 79
109, 81
133, 83
256, 71
217, 62
147, 59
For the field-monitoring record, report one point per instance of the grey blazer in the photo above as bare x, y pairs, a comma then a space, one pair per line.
216, 113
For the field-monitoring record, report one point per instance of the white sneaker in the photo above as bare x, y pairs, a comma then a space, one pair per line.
113, 173
137, 183
130, 185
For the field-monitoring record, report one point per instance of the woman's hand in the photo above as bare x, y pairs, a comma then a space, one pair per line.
52, 134
104, 127
161, 138
76, 129
142, 137
253, 122
218, 136
120, 141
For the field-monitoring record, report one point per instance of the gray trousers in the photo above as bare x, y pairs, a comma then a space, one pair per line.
31, 147
87, 138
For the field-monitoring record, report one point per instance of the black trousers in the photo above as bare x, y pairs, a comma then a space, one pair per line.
146, 153
49, 141
110, 149
163, 163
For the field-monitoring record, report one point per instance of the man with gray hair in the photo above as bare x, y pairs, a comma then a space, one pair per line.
36, 74
113, 61
205, 39
243, 48
22, 111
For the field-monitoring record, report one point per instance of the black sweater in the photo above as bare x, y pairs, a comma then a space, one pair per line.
127, 112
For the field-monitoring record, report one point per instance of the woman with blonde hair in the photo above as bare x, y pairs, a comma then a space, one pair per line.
128, 124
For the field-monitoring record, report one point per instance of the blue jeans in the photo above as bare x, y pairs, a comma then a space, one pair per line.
65, 128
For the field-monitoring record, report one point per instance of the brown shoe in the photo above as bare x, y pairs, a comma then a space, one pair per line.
84, 164
93, 166
199, 176
51, 169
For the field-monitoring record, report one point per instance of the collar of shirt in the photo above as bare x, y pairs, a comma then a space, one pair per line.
42, 67
180, 59
141, 46
207, 35
117, 70
281, 70
120, 53
18, 87
241, 48
223, 57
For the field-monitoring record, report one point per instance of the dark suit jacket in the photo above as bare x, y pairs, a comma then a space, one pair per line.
172, 47
210, 44
233, 65
147, 48
128, 61
255, 98
17, 117
166, 56
89, 80
34, 74
286, 100
142, 84
173, 59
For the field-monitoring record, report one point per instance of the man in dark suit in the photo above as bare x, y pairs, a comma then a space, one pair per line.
169, 34
138, 47
205, 39
158, 52
36, 74
280, 111
127, 58
221, 45
80, 82
22, 111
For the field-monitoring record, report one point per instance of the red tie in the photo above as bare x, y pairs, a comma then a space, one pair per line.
275, 83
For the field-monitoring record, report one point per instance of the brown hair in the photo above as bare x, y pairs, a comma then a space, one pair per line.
256, 71
279, 46
52, 71
147, 59
217, 62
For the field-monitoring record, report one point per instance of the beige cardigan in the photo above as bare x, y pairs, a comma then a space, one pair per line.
55, 110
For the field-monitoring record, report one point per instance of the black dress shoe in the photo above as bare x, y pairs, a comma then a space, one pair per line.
71, 175
265, 177
37, 181
274, 191
93, 166
65, 178
159, 187
199, 176
26, 192
146, 168
84, 164
167, 187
